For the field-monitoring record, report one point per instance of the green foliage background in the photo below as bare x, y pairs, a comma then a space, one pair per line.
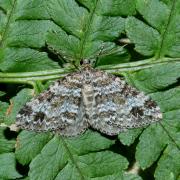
40, 40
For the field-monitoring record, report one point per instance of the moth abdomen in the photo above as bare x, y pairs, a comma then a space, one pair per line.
88, 98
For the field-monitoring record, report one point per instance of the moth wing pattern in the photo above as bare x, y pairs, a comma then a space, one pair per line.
58, 109
118, 106
88, 98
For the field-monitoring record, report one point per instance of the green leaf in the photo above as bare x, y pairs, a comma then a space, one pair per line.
87, 30
136, 29
165, 19
26, 33
34, 9
113, 58
5, 144
128, 137
2, 22
85, 143
158, 9
19, 36
25, 60
118, 176
169, 100
3, 110
115, 7
16, 104
86, 166
5, 5
150, 147
29, 144
147, 80
169, 165
155, 138
72, 15
162, 39
63, 44
59, 155
8, 166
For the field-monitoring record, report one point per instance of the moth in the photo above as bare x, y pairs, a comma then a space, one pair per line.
86, 99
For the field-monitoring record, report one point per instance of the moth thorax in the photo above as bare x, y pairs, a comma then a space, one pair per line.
88, 97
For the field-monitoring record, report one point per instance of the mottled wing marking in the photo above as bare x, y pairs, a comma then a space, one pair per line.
118, 106
88, 98
59, 109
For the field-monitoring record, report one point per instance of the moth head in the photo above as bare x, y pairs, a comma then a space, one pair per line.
86, 62
86, 65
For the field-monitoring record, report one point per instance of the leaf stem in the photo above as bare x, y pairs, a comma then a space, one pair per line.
162, 43
72, 158
170, 137
138, 65
29, 80
87, 31
37, 73
31, 77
